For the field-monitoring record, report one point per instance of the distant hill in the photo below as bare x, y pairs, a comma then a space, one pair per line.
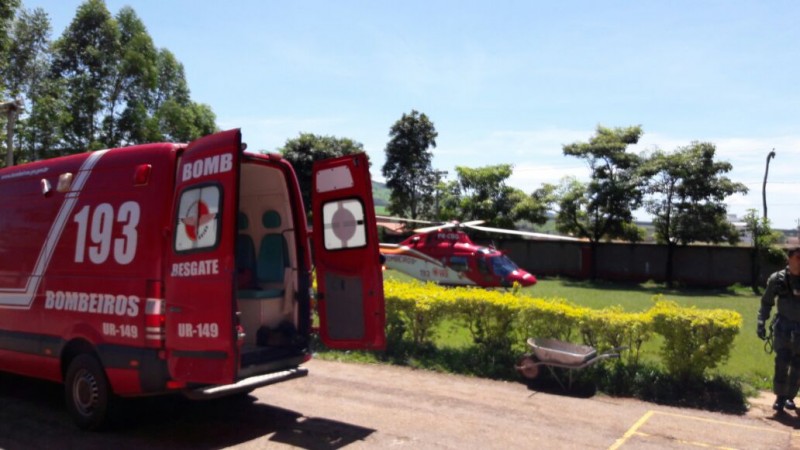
380, 194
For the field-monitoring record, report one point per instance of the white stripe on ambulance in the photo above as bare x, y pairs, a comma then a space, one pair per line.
24, 297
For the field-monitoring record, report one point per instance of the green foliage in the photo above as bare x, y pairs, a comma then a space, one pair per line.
686, 195
490, 316
603, 208
554, 318
7, 10
303, 150
482, 194
408, 171
132, 84
573, 207
25, 78
614, 328
499, 322
536, 207
85, 57
101, 84
28, 41
451, 347
765, 240
182, 123
416, 309
649, 382
694, 340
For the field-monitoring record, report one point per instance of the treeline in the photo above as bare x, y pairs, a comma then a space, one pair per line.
684, 190
102, 83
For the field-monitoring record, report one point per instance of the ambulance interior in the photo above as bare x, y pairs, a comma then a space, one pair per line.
267, 266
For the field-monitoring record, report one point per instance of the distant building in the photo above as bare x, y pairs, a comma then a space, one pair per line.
745, 236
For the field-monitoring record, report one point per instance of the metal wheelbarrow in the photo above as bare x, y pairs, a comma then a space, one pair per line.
565, 355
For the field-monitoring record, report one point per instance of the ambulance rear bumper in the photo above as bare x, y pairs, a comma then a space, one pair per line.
245, 385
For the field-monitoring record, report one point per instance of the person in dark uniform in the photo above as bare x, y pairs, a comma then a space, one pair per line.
784, 285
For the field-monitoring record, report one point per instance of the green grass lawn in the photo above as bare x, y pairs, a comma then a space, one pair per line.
748, 360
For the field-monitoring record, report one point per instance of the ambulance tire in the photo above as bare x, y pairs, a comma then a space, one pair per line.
87, 392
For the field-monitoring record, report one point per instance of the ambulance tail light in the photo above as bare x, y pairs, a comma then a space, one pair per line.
141, 177
155, 321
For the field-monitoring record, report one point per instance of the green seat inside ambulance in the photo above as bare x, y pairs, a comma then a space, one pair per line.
272, 261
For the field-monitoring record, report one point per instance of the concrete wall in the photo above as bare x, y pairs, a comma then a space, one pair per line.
696, 265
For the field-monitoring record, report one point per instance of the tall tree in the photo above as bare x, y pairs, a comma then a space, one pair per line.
686, 191
8, 9
131, 94
26, 58
28, 64
603, 208
175, 117
408, 171
307, 148
86, 57
184, 123
109, 86
42, 130
171, 78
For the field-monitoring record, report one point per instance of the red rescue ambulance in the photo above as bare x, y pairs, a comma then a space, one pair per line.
166, 267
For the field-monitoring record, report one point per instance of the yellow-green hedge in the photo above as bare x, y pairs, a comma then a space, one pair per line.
694, 339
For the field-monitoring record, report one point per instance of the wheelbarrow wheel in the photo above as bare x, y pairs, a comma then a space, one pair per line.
527, 367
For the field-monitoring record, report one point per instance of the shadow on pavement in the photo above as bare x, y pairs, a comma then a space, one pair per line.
33, 415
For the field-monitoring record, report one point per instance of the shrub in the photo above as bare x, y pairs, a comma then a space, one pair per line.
694, 340
611, 328
489, 315
555, 318
415, 309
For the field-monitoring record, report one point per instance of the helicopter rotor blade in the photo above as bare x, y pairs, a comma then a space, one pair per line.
453, 224
542, 236
436, 227
472, 223
402, 219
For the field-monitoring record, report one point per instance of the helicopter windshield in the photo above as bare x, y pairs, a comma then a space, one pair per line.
502, 266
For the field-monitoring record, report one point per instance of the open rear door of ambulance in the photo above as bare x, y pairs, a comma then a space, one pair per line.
346, 255
201, 338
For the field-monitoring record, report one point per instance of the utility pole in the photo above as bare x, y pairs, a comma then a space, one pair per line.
770, 156
11, 109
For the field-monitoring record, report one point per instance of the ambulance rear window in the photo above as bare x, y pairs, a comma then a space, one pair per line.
344, 225
197, 224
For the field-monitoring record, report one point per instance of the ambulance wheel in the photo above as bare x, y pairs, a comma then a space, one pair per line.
87, 392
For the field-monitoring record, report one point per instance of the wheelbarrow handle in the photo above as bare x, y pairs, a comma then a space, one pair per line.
614, 352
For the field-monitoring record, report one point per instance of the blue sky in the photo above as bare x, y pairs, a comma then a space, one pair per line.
502, 81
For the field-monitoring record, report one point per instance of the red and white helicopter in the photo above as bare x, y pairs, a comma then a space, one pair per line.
445, 254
